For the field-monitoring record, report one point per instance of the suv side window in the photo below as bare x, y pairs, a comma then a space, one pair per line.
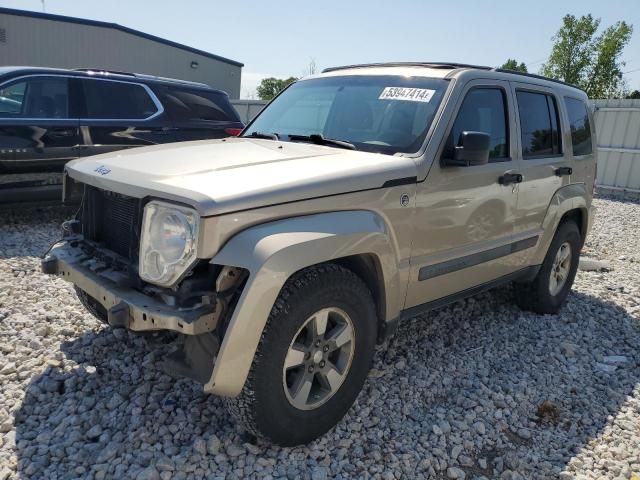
539, 125
483, 110
36, 97
186, 105
12, 98
108, 99
580, 127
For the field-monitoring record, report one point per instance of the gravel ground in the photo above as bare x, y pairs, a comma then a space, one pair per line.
479, 389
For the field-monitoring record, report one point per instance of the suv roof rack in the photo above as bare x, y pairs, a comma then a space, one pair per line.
451, 66
447, 65
102, 71
539, 77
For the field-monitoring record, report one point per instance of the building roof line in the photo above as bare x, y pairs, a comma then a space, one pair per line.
116, 26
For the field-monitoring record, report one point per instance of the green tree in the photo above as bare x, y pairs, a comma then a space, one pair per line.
634, 95
591, 61
512, 64
270, 87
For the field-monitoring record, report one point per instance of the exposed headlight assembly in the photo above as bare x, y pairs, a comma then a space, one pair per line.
168, 242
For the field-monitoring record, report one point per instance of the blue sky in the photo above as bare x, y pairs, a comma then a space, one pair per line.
279, 38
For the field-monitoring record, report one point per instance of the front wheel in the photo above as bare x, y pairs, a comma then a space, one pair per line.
313, 358
547, 292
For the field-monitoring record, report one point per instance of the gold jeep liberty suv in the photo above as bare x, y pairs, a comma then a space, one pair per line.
356, 198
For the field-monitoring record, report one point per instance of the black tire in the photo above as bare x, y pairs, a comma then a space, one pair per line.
91, 304
535, 295
262, 406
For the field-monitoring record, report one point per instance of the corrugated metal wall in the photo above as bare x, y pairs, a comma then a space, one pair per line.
53, 43
618, 134
247, 109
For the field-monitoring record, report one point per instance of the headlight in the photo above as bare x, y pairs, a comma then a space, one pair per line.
168, 242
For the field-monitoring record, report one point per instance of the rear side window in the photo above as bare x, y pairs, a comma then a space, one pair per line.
483, 110
117, 100
185, 105
539, 124
36, 97
580, 127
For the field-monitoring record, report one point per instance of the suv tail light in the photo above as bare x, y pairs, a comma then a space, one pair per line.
234, 132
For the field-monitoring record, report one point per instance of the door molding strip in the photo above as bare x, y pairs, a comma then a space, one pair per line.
474, 259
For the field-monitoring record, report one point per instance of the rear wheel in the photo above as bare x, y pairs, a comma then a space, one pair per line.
313, 358
547, 292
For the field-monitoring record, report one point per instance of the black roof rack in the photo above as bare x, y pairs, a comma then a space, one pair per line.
447, 65
451, 66
539, 77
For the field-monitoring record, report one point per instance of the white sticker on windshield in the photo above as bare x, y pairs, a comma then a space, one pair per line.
407, 94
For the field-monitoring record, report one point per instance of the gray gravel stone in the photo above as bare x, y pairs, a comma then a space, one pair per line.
593, 265
94, 432
149, 473
455, 473
213, 445
235, 451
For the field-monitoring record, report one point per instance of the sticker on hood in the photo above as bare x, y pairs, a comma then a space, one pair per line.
407, 94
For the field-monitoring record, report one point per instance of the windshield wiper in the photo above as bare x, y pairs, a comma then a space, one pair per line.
318, 139
268, 136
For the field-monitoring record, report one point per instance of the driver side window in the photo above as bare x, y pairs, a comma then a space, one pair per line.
483, 110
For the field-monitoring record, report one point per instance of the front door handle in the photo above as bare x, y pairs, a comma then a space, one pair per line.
509, 178
563, 171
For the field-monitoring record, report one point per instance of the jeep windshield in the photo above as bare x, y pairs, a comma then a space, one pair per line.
374, 113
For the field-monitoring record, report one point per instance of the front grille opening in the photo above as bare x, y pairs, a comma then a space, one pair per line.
112, 220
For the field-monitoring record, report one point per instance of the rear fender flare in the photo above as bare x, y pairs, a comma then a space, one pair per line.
567, 198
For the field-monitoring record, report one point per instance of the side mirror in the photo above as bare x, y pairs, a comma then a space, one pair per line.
472, 149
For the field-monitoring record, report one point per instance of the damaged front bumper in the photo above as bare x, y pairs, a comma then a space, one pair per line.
125, 306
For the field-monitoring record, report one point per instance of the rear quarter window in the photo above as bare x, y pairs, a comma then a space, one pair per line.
580, 126
188, 105
117, 100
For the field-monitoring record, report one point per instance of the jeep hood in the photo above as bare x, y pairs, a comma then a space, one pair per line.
222, 176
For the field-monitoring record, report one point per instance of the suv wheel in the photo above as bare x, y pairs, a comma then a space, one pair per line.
313, 358
548, 291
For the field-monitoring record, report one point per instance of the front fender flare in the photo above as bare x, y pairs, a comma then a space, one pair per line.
274, 251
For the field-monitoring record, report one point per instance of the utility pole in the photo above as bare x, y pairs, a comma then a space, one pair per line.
43, 7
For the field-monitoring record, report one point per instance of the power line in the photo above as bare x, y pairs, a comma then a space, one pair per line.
536, 62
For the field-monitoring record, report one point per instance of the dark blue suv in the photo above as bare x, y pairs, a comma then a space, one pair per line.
50, 116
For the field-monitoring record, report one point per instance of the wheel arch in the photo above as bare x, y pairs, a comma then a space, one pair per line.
571, 202
368, 268
358, 240
580, 216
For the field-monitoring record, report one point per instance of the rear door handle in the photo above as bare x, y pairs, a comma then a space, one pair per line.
61, 133
509, 178
563, 171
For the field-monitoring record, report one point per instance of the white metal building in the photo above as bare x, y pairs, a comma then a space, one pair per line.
618, 131
45, 40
